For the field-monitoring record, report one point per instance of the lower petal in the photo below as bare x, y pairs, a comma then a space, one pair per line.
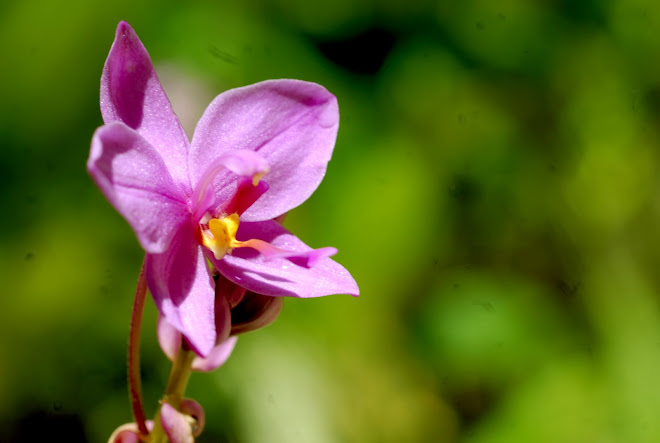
183, 290
169, 338
279, 276
217, 357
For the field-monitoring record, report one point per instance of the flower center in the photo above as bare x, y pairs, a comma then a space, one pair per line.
220, 237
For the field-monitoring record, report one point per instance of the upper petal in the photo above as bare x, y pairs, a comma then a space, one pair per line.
281, 276
292, 124
136, 180
131, 93
183, 290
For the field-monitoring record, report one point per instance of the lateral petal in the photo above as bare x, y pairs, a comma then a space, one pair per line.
292, 124
135, 179
131, 93
280, 276
182, 287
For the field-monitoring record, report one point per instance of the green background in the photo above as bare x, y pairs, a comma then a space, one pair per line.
493, 190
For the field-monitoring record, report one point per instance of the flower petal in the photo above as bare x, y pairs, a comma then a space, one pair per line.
131, 93
193, 409
307, 259
231, 292
135, 179
254, 312
244, 197
129, 433
217, 357
182, 288
281, 276
176, 425
214, 188
169, 338
291, 123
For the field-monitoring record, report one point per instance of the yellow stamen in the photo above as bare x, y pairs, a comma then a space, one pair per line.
220, 238
256, 178
221, 235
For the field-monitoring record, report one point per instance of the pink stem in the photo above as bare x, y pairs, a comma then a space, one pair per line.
134, 383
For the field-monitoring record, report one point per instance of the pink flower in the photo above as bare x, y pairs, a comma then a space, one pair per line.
257, 152
181, 425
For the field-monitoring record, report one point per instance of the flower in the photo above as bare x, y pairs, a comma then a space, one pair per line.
181, 425
257, 152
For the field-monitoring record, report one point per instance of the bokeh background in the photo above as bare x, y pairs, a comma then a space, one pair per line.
494, 191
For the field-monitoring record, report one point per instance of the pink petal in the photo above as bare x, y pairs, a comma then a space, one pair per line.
291, 123
183, 290
176, 425
192, 408
255, 311
224, 344
222, 318
169, 338
128, 433
131, 93
307, 259
217, 357
135, 179
244, 197
223, 177
228, 290
281, 276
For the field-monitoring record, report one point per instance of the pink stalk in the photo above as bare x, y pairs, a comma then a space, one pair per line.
134, 383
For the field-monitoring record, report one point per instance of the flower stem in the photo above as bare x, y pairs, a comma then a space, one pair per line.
134, 383
176, 386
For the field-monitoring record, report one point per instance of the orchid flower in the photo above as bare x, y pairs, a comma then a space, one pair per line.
256, 153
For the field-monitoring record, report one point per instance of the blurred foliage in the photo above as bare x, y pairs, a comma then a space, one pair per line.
494, 191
